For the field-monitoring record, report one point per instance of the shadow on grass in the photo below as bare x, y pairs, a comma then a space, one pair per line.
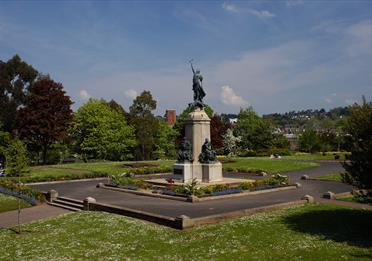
15, 230
353, 226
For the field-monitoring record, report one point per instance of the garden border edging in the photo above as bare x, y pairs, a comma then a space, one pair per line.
194, 199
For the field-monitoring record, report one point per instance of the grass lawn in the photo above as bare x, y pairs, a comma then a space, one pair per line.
311, 232
268, 165
363, 200
315, 156
106, 168
8, 203
88, 170
333, 176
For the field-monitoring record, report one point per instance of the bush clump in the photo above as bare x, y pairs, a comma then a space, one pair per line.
22, 189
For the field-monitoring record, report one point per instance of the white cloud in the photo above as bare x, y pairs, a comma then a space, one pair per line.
262, 14
230, 7
293, 75
229, 97
84, 95
131, 93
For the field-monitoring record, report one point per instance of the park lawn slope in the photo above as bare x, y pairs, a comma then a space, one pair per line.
333, 176
107, 168
266, 164
8, 203
311, 232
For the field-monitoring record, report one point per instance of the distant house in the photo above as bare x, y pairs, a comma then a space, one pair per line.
293, 141
233, 121
170, 116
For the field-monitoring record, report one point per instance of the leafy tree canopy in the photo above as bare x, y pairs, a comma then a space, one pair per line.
147, 126
142, 105
101, 132
165, 146
359, 130
218, 130
255, 132
46, 116
16, 77
309, 141
116, 107
16, 158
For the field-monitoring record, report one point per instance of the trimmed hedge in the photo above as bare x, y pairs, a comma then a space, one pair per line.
27, 193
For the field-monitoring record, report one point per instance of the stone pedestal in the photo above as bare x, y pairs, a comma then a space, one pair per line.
183, 172
212, 172
197, 129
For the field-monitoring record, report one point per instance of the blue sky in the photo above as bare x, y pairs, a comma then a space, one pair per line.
274, 55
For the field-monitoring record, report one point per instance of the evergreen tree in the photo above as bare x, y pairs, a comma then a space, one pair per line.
359, 130
145, 123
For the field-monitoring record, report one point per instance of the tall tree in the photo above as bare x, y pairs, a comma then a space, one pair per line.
359, 130
230, 143
165, 141
117, 107
145, 124
4, 142
45, 118
309, 141
16, 166
101, 132
255, 132
218, 130
16, 77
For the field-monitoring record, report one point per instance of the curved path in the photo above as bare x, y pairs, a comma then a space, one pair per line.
171, 208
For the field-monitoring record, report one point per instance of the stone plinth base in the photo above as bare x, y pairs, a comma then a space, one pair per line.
183, 172
186, 172
212, 172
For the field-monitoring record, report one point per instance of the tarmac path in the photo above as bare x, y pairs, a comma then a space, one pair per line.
172, 208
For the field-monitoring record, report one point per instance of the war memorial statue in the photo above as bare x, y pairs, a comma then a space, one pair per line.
197, 87
185, 151
207, 155
196, 158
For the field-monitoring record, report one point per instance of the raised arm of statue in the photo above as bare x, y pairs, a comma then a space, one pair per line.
192, 68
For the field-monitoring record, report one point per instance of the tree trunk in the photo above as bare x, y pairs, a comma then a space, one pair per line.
45, 150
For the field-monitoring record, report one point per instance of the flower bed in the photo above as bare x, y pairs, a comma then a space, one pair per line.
193, 188
22, 191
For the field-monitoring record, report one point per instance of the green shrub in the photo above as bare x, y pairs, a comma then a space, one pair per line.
207, 190
278, 179
281, 151
22, 189
220, 187
179, 189
123, 179
246, 185
247, 153
191, 188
